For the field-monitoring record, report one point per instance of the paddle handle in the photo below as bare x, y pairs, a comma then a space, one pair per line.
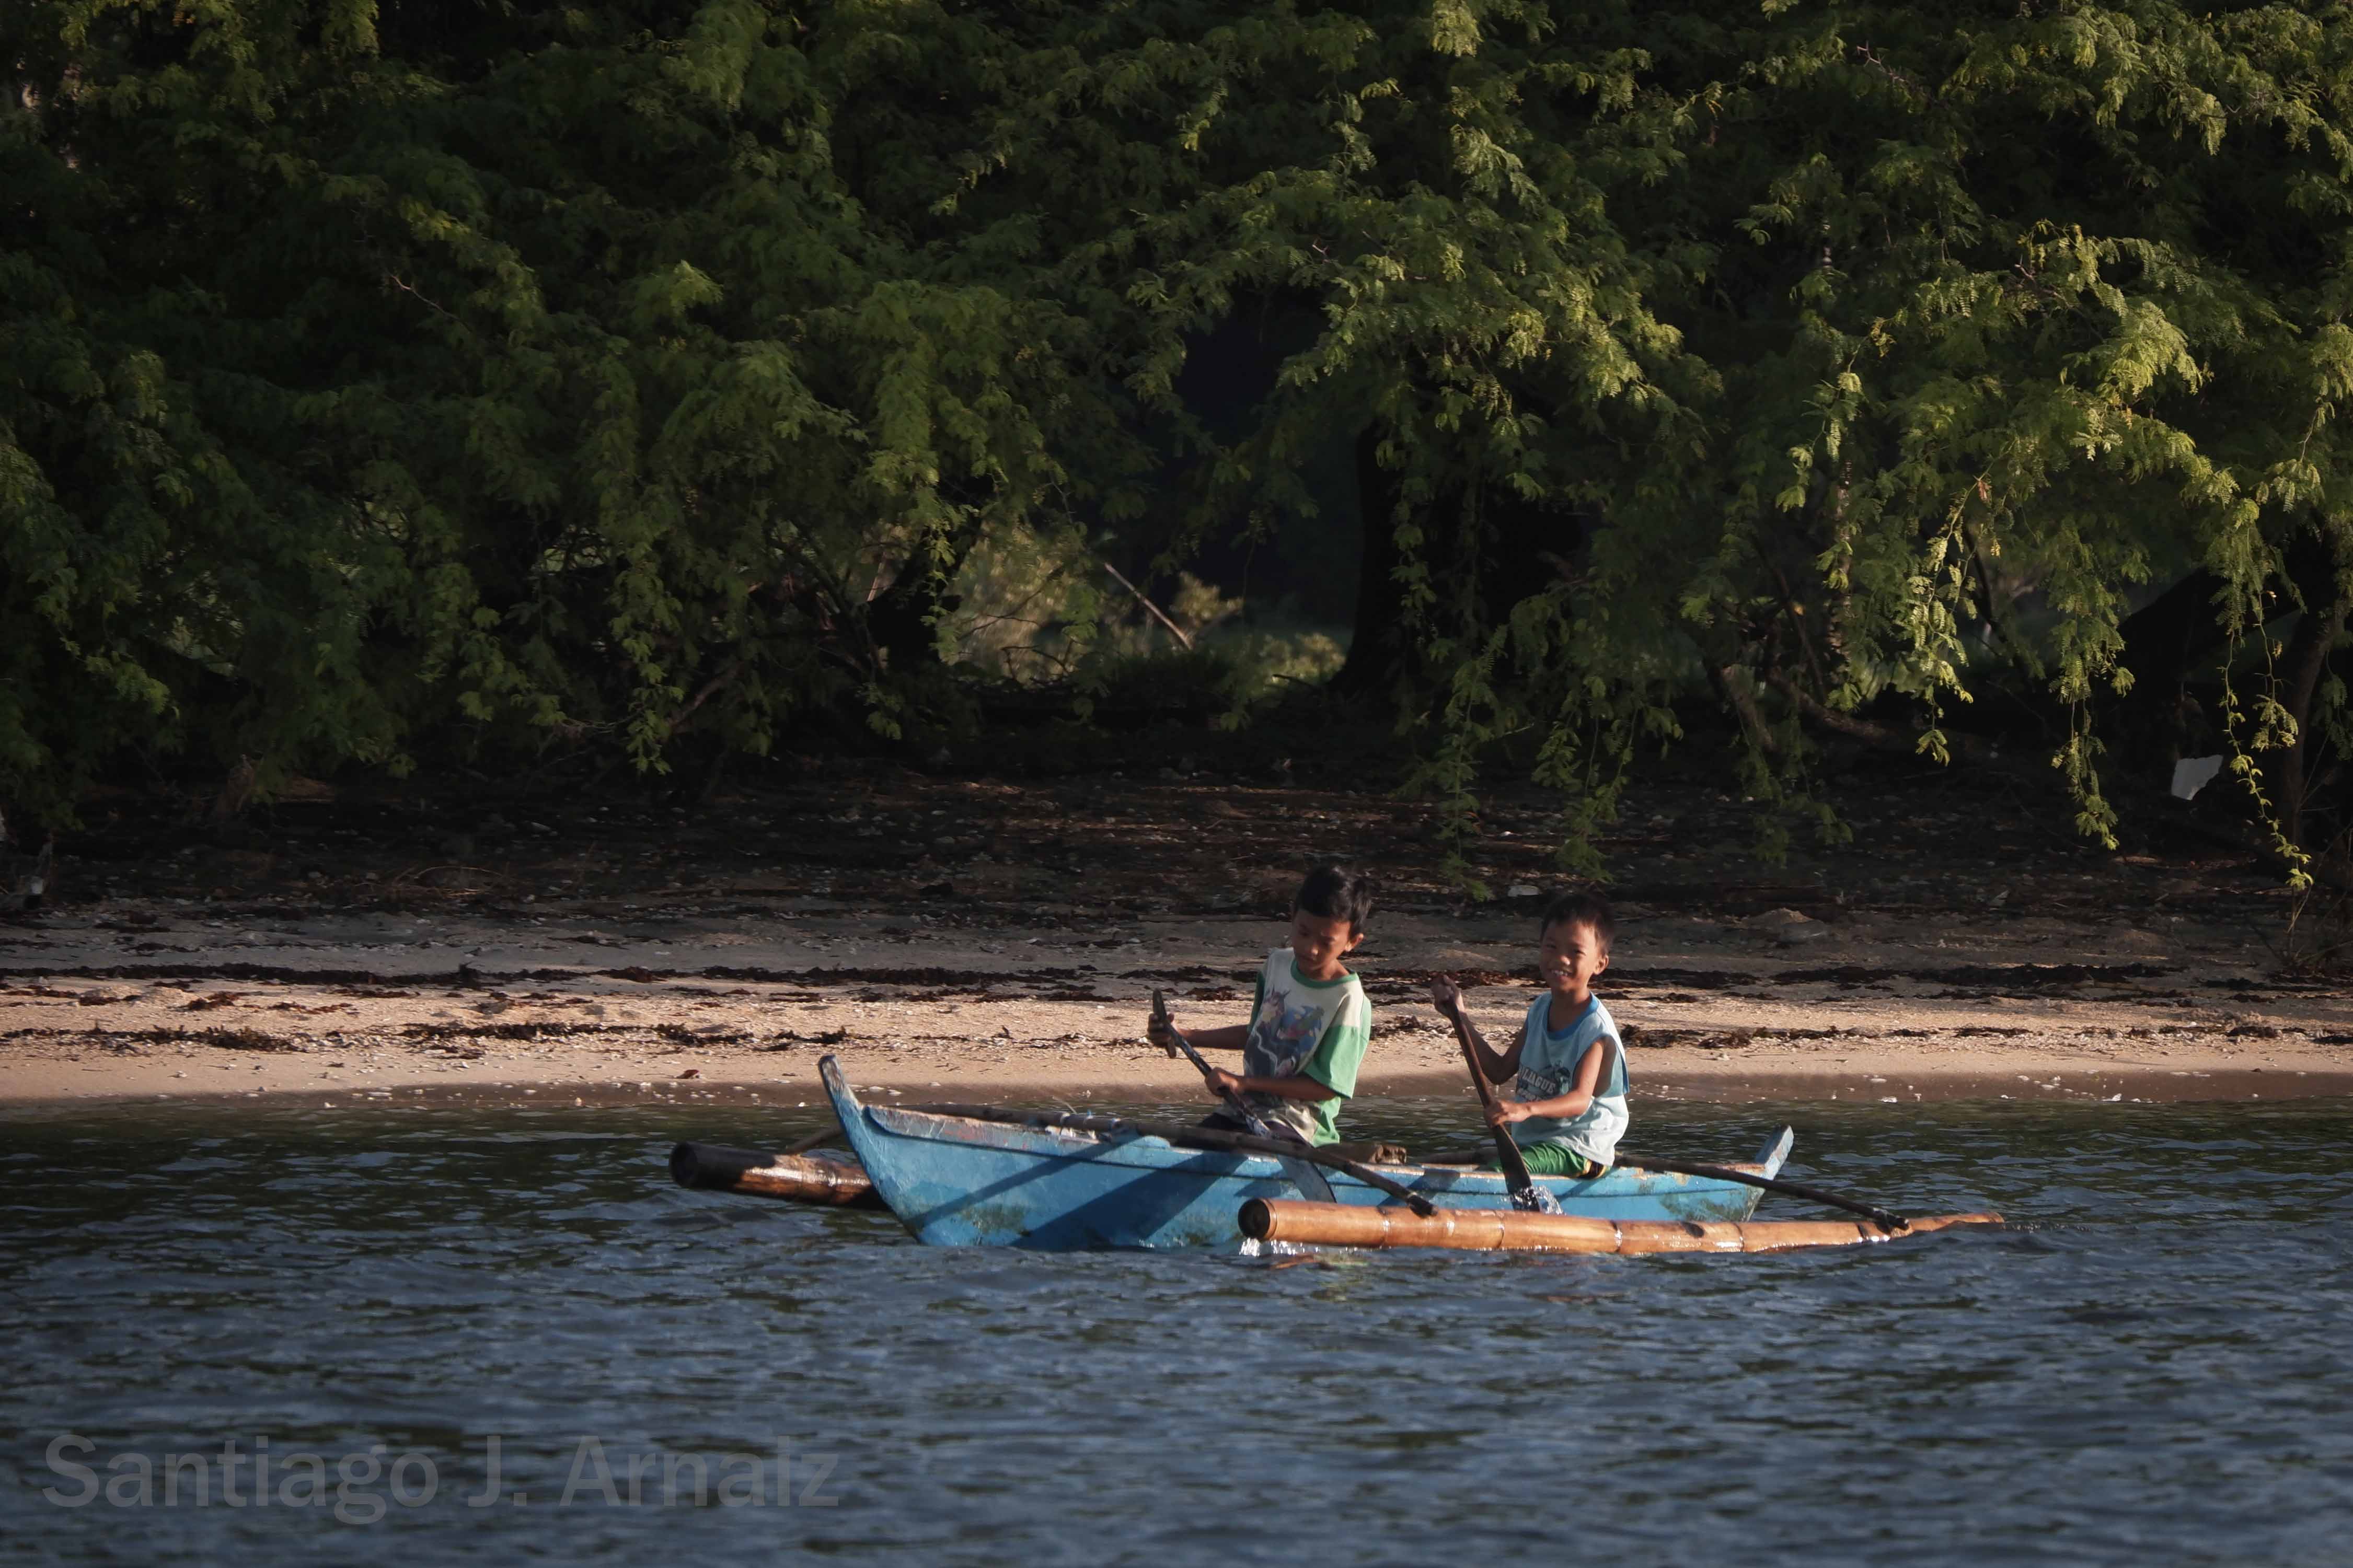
1234, 1102
1507, 1148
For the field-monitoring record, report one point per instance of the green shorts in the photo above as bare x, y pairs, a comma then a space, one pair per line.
1548, 1160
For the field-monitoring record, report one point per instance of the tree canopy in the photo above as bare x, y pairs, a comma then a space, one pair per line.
383, 378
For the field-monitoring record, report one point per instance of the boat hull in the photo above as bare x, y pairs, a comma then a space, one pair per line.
957, 1181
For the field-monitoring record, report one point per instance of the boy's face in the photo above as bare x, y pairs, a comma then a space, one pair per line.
1569, 957
1320, 941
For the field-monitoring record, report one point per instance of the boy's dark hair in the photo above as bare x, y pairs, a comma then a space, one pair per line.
1333, 892
1591, 911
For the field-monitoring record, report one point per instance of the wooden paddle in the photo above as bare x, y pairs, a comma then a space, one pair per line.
1234, 1102
1309, 1181
1526, 1194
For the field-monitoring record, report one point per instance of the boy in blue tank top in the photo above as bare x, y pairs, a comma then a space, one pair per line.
1568, 1108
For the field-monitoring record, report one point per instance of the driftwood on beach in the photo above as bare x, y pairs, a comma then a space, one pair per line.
821, 1177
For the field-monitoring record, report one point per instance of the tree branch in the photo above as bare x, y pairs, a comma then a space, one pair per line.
1971, 747
1174, 629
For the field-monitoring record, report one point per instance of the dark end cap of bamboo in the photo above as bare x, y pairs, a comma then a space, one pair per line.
711, 1165
1255, 1219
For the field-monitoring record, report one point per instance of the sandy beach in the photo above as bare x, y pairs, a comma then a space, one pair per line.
973, 938
109, 1003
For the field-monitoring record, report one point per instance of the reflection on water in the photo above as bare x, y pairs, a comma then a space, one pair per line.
2150, 1368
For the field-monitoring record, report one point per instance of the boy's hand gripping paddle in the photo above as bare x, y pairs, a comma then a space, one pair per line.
1525, 1195
1305, 1176
1234, 1102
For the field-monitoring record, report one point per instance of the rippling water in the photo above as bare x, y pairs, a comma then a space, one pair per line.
2150, 1368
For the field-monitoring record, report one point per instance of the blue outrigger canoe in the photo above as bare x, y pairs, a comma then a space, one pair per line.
959, 1181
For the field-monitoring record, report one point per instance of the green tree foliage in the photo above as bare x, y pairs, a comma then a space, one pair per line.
378, 377
379, 374
2050, 293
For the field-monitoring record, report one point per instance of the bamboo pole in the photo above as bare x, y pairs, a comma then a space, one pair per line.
1180, 1137
817, 1140
1512, 1230
795, 1178
1885, 1219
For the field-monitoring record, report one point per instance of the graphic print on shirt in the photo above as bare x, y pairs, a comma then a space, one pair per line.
1536, 1083
1283, 1037
1551, 1068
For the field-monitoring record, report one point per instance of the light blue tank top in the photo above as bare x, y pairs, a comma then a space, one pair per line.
1549, 1064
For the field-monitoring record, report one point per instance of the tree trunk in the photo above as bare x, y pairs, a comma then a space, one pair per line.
2155, 721
902, 620
1377, 650
1516, 547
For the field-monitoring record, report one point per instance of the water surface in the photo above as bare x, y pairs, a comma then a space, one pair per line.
2150, 1368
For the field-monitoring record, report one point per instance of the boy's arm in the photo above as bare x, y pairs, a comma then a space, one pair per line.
1298, 1086
1562, 1106
1225, 1037
1330, 1069
1446, 997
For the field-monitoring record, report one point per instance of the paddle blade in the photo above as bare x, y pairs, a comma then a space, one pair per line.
1536, 1198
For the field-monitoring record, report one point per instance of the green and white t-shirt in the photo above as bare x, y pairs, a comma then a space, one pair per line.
1318, 1028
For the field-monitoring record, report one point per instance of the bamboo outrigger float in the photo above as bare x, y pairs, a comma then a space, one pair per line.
832, 1179
1512, 1230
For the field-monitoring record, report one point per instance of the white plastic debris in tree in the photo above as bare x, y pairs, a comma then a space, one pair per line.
2191, 775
